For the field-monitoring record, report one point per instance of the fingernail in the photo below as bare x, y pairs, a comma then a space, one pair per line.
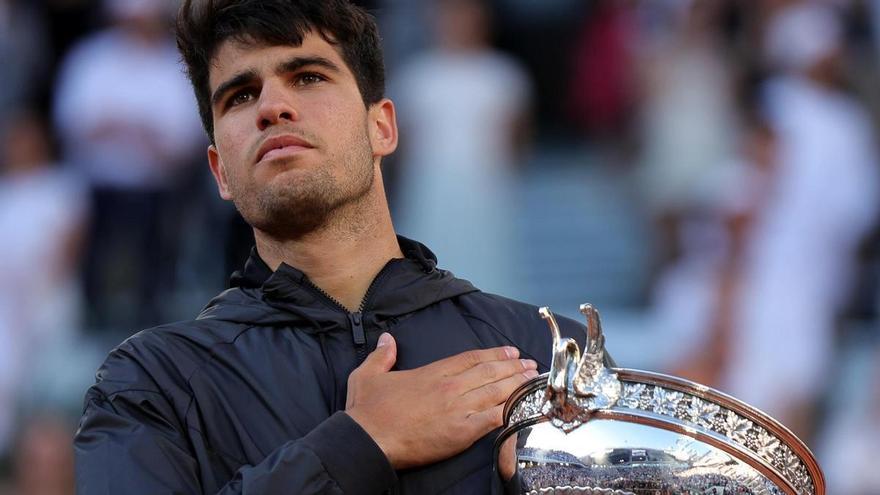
384, 339
511, 352
530, 374
529, 364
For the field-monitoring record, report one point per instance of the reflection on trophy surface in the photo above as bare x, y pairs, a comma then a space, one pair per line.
586, 427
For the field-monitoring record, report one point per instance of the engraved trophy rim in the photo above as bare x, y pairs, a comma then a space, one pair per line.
734, 426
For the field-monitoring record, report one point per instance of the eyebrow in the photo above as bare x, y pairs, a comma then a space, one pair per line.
248, 76
236, 81
297, 63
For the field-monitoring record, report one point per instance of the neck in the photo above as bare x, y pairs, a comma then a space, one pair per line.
345, 254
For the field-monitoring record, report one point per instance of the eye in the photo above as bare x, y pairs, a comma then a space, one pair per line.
240, 97
308, 78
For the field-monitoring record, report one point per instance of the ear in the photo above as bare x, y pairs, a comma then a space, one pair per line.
219, 172
383, 127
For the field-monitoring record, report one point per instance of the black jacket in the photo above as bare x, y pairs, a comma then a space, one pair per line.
247, 398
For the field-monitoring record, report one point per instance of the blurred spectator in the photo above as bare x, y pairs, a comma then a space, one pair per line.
127, 118
848, 448
403, 24
70, 20
688, 122
24, 52
696, 297
42, 218
602, 96
798, 266
44, 458
463, 108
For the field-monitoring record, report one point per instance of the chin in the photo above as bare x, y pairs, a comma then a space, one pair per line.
275, 169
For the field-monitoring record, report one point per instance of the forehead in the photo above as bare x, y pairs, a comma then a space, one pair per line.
234, 57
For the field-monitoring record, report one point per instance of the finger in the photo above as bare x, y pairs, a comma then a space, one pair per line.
454, 365
483, 422
494, 393
492, 371
507, 458
380, 360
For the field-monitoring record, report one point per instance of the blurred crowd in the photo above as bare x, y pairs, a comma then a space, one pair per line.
721, 153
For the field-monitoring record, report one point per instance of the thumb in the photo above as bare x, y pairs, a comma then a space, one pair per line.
383, 358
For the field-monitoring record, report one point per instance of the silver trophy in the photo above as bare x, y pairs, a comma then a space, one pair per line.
588, 428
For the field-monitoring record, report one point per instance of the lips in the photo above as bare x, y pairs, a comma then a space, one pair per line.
281, 145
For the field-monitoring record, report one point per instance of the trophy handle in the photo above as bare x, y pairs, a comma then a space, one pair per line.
578, 383
595, 338
563, 369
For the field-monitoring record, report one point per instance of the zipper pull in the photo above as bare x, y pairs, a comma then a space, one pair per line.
359, 337
357, 329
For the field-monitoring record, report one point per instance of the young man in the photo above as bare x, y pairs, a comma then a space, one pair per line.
342, 360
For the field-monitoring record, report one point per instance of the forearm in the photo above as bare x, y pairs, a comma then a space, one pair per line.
336, 457
135, 451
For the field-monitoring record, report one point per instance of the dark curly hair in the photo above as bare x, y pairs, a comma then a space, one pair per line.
203, 25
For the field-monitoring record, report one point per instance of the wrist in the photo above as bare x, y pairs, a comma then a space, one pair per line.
350, 456
377, 434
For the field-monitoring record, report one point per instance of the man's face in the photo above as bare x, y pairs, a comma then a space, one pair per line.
294, 141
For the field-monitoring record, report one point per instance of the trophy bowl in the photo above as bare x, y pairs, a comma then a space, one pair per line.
586, 427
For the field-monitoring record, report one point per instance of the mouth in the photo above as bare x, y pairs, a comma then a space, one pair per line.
281, 146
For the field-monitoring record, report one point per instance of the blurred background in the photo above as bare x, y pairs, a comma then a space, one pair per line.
704, 171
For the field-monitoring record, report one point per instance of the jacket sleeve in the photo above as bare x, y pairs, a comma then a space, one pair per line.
129, 442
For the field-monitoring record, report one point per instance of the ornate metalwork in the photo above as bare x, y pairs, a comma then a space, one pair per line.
578, 384
678, 436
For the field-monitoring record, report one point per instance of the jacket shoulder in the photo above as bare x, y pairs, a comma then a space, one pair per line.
518, 323
511, 312
160, 359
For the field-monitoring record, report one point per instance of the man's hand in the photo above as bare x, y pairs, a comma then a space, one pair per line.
431, 413
507, 459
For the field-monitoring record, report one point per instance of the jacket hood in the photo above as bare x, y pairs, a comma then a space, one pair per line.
286, 297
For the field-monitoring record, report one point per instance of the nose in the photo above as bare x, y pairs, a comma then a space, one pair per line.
275, 106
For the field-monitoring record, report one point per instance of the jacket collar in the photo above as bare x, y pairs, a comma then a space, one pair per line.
286, 296
256, 273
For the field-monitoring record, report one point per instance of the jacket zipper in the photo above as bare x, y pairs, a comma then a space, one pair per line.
355, 319
358, 336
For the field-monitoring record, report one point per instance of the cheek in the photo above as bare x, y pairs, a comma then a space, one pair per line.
233, 150
339, 118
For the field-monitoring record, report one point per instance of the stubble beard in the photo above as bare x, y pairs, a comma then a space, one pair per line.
292, 209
